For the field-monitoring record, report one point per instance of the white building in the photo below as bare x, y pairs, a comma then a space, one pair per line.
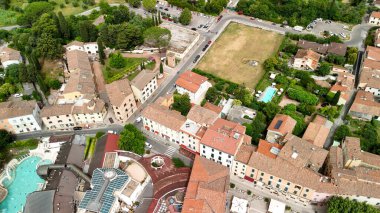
222, 140
57, 117
20, 116
374, 18
144, 85
9, 56
89, 113
91, 48
194, 85
306, 59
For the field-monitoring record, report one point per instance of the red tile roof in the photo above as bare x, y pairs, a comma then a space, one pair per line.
282, 124
225, 136
207, 188
111, 143
213, 107
190, 81
375, 14
265, 148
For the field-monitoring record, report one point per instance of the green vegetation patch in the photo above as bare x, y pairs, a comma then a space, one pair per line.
8, 17
112, 74
90, 147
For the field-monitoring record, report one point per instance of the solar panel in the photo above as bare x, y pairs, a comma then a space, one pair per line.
278, 124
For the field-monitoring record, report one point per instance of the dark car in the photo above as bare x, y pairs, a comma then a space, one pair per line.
195, 29
205, 47
196, 58
209, 42
166, 9
77, 128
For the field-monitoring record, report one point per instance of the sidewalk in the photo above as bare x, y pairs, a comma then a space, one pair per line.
262, 191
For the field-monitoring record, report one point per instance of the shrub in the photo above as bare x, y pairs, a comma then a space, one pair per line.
249, 192
341, 132
232, 185
178, 163
280, 79
99, 134
117, 61
299, 94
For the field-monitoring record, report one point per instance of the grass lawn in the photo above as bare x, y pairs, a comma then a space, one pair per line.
52, 69
112, 74
238, 45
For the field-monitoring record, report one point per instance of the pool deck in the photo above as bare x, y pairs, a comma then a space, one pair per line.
265, 92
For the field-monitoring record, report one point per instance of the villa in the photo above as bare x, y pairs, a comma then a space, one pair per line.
365, 106
280, 126
306, 59
9, 56
374, 18
194, 85
91, 48
318, 131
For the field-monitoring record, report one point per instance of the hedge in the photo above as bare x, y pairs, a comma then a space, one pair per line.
299, 94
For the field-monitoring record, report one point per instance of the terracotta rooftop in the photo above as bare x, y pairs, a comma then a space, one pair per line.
370, 75
302, 154
318, 131
75, 43
375, 14
11, 109
164, 116
365, 103
207, 188
9, 54
142, 79
282, 124
244, 153
213, 107
190, 81
337, 48
201, 115
268, 149
56, 110
118, 91
316, 47
93, 106
225, 136
78, 60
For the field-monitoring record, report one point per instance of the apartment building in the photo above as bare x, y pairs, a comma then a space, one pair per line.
345, 83
9, 56
144, 85
122, 99
194, 85
306, 59
365, 106
56, 117
280, 126
89, 113
207, 188
374, 18
197, 121
222, 140
80, 85
20, 116
370, 74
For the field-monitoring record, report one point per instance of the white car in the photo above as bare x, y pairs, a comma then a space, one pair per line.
18, 95
148, 145
138, 119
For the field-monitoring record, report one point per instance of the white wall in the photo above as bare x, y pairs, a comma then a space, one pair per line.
374, 91
216, 155
373, 20
158, 129
91, 48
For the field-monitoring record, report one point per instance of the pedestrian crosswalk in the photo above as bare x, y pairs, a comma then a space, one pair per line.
170, 151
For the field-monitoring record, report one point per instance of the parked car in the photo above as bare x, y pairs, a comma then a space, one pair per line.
209, 42
148, 145
196, 58
240, 12
166, 9
77, 128
195, 29
138, 119
18, 95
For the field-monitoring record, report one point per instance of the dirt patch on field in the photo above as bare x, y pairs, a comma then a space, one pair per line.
239, 53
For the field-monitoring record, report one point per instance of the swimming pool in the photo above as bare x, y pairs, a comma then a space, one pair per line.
25, 181
268, 94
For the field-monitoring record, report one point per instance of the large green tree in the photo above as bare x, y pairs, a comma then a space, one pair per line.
87, 31
157, 37
131, 139
33, 11
341, 132
102, 55
63, 26
4, 4
339, 204
48, 47
185, 17
6, 138
149, 5
182, 103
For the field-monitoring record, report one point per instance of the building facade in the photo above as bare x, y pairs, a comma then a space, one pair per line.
194, 85
144, 85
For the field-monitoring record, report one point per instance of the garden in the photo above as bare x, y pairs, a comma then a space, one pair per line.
117, 67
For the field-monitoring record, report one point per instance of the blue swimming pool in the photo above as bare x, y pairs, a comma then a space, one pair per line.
268, 94
25, 181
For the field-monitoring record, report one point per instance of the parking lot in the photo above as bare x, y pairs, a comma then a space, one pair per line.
199, 21
334, 28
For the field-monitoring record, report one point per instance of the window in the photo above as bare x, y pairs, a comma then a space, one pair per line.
262, 173
307, 190
271, 177
278, 186
279, 180
253, 170
288, 184
269, 182
304, 195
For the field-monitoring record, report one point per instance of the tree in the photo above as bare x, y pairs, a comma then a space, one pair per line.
339, 204
4, 4
149, 5
6, 138
117, 61
157, 37
128, 37
49, 47
161, 68
87, 31
341, 132
102, 55
324, 69
131, 139
185, 17
134, 3
212, 94
159, 17
63, 26
335, 99
33, 11
182, 103
118, 15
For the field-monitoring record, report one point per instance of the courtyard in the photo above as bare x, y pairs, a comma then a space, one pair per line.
239, 53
